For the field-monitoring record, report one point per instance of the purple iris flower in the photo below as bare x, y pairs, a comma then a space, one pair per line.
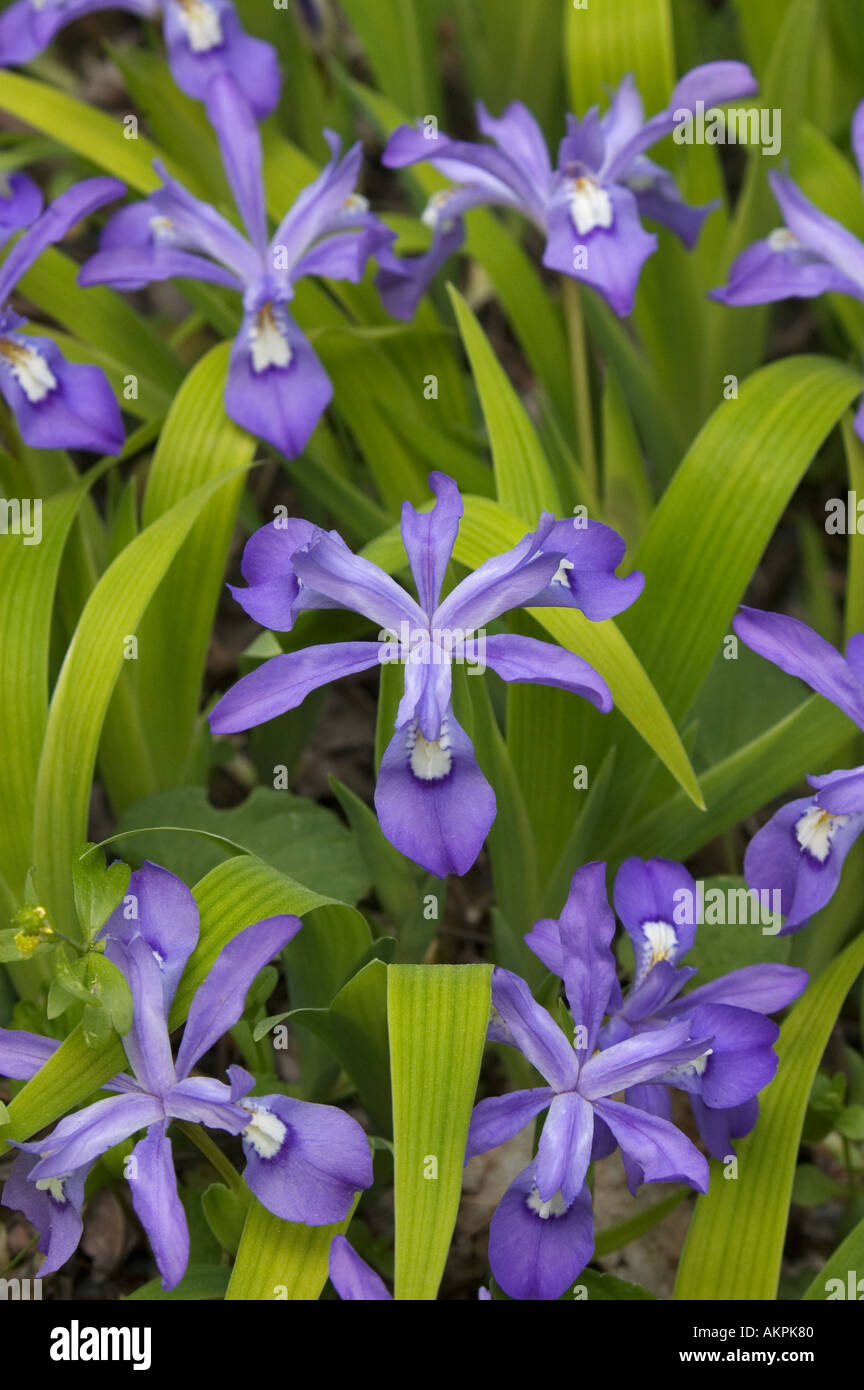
203, 38
57, 404
303, 1161
20, 203
433, 802
277, 387
655, 899
352, 1277
542, 1233
588, 209
802, 848
809, 255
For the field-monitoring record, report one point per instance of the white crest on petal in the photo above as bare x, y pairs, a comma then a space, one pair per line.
781, 239
265, 1131
53, 1186
201, 23
162, 228
436, 206
556, 1206
560, 575
662, 941
267, 342
816, 829
590, 205
29, 369
431, 759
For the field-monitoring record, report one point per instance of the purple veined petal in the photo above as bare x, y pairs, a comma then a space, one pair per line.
283, 683
275, 596
765, 988
20, 203
320, 206
205, 1101
58, 404
656, 900
231, 116
718, 1128
798, 650
22, 1054
583, 148
544, 939
130, 267
205, 38
502, 582
81, 1137
432, 799
345, 255
586, 928
77, 202
778, 267
517, 133
817, 231
52, 1205
425, 704
219, 1000
305, 1162
499, 1118
662, 1152
534, 1031
656, 993
153, 1185
330, 568
147, 1044
609, 255
521, 659
625, 117
656, 1100
537, 1249
494, 176
197, 226
713, 84
659, 199
403, 280
26, 29
604, 1140
855, 655
586, 577
742, 1059
352, 1278
164, 912
429, 537
277, 387
840, 792
564, 1151
642, 1058
800, 853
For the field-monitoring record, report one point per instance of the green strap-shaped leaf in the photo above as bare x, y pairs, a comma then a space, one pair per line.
523, 478
735, 1242
281, 1260
849, 1255
198, 446
437, 1018
605, 42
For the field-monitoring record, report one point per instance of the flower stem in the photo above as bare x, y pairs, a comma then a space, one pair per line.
581, 379
224, 1167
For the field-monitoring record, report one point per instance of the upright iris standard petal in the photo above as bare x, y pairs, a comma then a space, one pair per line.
586, 928
159, 907
305, 1162
533, 1031
433, 801
537, 1249
352, 1278
153, 1184
429, 538
240, 144
218, 1002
